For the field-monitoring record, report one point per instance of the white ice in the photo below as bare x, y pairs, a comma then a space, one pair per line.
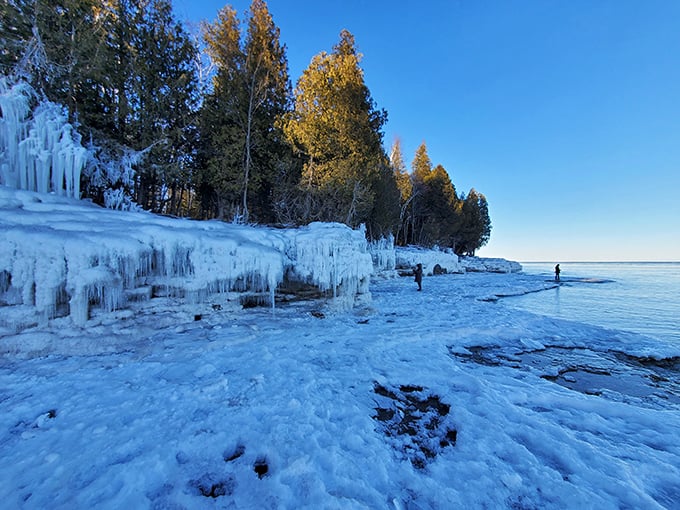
39, 150
173, 402
64, 257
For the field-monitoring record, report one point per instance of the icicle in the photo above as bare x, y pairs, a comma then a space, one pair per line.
40, 152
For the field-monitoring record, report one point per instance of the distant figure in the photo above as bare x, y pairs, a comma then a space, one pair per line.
557, 273
418, 272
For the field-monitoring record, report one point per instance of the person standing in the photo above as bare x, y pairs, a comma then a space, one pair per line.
418, 273
557, 273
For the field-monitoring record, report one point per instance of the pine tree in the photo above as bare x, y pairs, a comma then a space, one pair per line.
475, 230
267, 97
405, 186
17, 19
61, 48
436, 208
221, 145
243, 140
442, 221
421, 168
336, 128
163, 98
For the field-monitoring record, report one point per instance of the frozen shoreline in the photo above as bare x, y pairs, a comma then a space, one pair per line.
404, 400
187, 413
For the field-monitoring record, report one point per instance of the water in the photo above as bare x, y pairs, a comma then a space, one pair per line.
643, 297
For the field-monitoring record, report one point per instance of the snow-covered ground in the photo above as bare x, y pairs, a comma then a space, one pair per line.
443, 398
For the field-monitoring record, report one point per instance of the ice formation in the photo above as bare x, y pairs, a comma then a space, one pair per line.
331, 257
60, 256
408, 257
39, 150
383, 254
489, 265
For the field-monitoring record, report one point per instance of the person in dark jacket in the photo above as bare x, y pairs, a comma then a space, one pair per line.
557, 273
418, 273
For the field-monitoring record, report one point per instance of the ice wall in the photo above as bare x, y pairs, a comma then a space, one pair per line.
332, 257
39, 150
383, 255
490, 265
408, 257
64, 257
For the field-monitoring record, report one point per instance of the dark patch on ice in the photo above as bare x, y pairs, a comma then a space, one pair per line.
211, 485
198, 317
41, 421
523, 292
234, 453
318, 314
580, 280
255, 300
418, 421
611, 374
261, 467
5, 281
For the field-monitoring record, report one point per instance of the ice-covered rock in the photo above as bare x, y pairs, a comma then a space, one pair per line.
490, 265
332, 257
446, 260
383, 255
64, 257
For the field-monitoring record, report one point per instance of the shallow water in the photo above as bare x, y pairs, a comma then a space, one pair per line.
643, 297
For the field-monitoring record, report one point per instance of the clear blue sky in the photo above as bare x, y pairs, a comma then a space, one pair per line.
564, 114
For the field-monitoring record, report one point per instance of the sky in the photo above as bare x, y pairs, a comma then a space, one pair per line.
564, 114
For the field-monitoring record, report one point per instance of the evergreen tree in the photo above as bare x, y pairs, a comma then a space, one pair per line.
17, 19
421, 168
221, 148
61, 48
436, 208
475, 230
337, 130
384, 218
243, 140
163, 98
405, 186
442, 221
268, 91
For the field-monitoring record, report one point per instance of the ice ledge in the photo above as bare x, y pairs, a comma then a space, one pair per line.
63, 257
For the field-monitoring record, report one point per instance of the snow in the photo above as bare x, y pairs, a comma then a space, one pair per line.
443, 398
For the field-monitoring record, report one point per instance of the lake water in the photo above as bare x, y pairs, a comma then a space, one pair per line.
643, 297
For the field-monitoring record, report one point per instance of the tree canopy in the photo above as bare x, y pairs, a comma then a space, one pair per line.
336, 130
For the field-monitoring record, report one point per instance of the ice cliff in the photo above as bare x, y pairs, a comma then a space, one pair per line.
64, 257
